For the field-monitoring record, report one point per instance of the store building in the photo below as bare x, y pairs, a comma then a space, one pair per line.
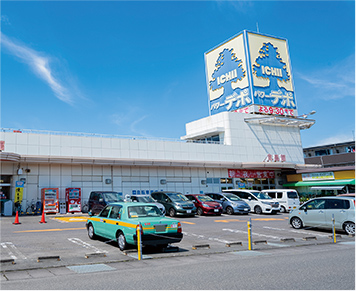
251, 138
336, 175
331, 155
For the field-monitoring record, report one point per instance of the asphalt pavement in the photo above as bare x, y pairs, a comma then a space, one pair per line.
30, 249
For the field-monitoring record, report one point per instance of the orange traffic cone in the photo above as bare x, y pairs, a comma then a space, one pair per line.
17, 218
43, 217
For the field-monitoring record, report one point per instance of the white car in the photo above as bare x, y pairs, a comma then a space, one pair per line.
320, 213
288, 198
259, 202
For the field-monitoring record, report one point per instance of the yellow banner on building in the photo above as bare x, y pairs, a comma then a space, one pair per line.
18, 194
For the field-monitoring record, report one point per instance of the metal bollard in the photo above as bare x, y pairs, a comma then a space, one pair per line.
249, 225
139, 246
333, 222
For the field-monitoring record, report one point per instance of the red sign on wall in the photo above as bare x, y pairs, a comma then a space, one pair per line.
2, 145
250, 174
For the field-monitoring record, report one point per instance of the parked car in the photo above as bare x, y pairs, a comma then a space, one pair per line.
231, 203
288, 198
119, 221
205, 204
175, 203
347, 195
99, 199
319, 212
259, 202
147, 199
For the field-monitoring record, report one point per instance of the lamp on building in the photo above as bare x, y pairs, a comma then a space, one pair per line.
306, 115
19, 171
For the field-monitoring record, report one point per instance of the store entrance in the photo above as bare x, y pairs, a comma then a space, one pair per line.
5, 186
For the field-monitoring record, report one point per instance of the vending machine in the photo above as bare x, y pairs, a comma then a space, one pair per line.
73, 200
50, 200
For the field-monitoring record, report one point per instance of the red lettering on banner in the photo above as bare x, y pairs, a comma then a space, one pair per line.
233, 173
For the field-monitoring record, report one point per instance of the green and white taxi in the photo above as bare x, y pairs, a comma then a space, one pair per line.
119, 221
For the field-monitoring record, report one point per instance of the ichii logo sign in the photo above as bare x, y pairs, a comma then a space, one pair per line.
250, 69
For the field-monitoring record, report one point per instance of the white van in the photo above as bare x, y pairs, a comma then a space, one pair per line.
258, 201
287, 198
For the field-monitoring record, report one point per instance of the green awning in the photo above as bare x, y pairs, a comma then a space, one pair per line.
321, 183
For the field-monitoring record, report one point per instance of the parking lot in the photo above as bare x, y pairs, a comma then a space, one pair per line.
63, 239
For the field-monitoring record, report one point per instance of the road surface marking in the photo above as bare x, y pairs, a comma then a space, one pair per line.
45, 230
253, 233
70, 219
13, 252
85, 245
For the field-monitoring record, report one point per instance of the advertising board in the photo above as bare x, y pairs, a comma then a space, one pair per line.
251, 73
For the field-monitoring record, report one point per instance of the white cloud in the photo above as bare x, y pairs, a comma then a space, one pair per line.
40, 65
336, 82
335, 139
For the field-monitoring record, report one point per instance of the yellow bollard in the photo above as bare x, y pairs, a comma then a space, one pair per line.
334, 232
139, 249
249, 235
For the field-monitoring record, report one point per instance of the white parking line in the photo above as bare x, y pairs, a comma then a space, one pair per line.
85, 245
13, 252
297, 231
253, 233
207, 238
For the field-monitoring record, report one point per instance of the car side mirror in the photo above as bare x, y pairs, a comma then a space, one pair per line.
90, 213
249, 198
304, 208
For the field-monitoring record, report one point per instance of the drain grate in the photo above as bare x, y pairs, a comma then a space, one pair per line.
90, 268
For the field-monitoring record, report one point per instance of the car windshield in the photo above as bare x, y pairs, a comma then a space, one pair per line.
204, 198
177, 197
292, 194
144, 211
261, 195
232, 197
112, 197
144, 199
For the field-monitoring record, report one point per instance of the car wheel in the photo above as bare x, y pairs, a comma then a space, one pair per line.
258, 210
172, 212
91, 232
229, 210
121, 241
296, 222
199, 211
283, 210
349, 227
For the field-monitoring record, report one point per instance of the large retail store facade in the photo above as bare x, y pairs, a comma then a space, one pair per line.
250, 139
245, 156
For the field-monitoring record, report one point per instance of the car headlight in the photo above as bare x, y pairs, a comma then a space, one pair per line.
205, 205
179, 206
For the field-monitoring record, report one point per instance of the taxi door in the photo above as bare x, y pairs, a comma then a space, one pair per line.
101, 224
113, 221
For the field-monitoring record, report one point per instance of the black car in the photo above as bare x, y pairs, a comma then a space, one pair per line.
99, 199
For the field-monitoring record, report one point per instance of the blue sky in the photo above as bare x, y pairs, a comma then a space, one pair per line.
137, 68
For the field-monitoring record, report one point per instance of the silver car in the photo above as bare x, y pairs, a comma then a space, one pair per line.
147, 199
320, 213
